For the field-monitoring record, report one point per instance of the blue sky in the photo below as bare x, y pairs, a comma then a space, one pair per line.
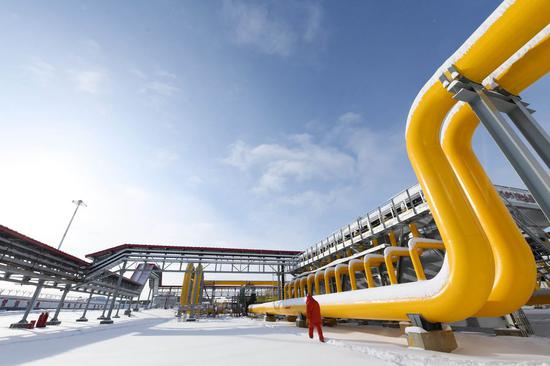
246, 124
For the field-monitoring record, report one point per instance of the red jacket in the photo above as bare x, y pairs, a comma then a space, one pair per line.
313, 310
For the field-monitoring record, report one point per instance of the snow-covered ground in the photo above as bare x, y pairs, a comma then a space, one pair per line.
155, 337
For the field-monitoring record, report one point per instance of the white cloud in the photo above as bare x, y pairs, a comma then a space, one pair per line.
296, 160
270, 29
314, 16
319, 170
89, 81
41, 71
164, 158
159, 88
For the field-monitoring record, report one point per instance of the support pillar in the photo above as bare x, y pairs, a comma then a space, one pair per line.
83, 317
149, 298
120, 304
107, 319
128, 311
104, 308
55, 320
430, 336
23, 322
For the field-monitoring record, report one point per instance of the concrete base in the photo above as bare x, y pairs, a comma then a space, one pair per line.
81, 320
291, 318
21, 326
53, 322
513, 332
116, 316
100, 317
403, 325
106, 321
136, 309
128, 312
191, 319
435, 340
329, 322
270, 318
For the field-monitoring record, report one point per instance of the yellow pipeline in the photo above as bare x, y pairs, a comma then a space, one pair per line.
184, 297
515, 271
452, 295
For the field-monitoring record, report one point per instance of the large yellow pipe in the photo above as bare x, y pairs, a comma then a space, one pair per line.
515, 268
197, 283
450, 296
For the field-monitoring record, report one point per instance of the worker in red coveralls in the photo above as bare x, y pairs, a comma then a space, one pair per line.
313, 313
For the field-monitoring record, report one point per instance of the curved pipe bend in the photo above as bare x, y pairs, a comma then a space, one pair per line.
515, 268
468, 257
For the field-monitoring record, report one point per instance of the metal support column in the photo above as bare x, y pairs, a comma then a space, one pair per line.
128, 311
23, 322
488, 105
83, 317
531, 129
55, 320
121, 303
104, 308
528, 168
149, 297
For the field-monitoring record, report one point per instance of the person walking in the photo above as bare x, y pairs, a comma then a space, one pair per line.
313, 313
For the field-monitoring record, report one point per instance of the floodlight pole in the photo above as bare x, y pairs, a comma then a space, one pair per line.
78, 203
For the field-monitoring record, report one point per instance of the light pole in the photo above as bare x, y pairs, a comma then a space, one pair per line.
78, 204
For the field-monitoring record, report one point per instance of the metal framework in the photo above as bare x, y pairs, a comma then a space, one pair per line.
403, 209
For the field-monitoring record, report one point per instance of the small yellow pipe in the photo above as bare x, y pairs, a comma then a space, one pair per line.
389, 254
329, 272
319, 276
341, 270
416, 245
354, 266
393, 242
310, 280
303, 284
371, 260
414, 230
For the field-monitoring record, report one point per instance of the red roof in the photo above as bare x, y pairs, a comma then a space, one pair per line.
206, 249
31, 241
